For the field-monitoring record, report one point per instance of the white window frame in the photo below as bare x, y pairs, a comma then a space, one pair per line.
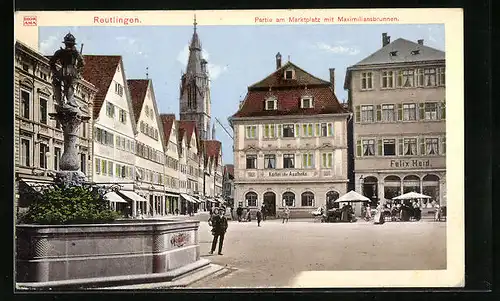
426, 139
408, 76
288, 125
428, 114
292, 156
388, 78
110, 110
309, 160
286, 71
305, 98
40, 98
428, 74
118, 89
395, 146
408, 106
405, 142
388, 107
251, 131
441, 72
366, 80
274, 104
22, 156
369, 142
364, 114
327, 160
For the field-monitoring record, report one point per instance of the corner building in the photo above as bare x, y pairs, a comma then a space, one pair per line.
290, 143
397, 95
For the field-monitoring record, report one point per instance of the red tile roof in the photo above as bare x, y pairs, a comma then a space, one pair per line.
288, 94
229, 168
212, 148
138, 89
167, 120
188, 127
324, 101
276, 79
100, 70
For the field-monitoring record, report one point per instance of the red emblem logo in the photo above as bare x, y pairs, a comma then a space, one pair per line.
179, 240
29, 21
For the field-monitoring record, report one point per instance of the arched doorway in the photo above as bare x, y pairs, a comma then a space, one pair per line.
289, 199
370, 189
307, 199
392, 187
430, 187
270, 203
411, 183
331, 197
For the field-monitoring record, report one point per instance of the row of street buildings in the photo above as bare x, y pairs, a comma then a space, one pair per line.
296, 145
162, 165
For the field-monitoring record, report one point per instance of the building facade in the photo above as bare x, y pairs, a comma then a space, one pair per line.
114, 130
397, 95
150, 155
290, 143
38, 140
194, 100
228, 184
171, 165
212, 188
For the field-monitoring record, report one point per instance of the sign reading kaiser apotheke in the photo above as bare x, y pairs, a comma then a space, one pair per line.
410, 163
288, 174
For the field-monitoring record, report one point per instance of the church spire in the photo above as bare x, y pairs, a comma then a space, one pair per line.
194, 23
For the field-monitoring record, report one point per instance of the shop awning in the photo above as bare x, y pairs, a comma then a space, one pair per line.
172, 195
132, 195
37, 185
211, 200
220, 200
188, 198
114, 197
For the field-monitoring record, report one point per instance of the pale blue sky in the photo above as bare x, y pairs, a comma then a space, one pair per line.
238, 56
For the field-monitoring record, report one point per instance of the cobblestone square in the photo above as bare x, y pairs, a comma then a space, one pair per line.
273, 254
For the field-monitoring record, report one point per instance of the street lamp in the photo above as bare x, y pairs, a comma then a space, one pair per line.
361, 181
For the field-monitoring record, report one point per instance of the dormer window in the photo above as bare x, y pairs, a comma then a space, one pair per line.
271, 104
290, 74
415, 52
393, 53
306, 102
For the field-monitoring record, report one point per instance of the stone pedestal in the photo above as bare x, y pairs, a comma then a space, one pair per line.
70, 118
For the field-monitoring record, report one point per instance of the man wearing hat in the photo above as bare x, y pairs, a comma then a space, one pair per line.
72, 64
219, 227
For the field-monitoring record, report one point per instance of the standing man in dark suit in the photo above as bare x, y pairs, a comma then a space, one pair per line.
219, 227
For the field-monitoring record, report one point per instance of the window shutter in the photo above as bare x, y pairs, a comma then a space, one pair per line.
400, 146
358, 114
317, 129
304, 130
323, 163
330, 156
273, 131
379, 113
422, 110
253, 131
422, 146
443, 110
443, 145
266, 131
297, 130
310, 130
380, 147
309, 160
400, 111
304, 160
358, 148
280, 130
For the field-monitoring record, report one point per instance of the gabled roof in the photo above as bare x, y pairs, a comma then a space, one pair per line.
404, 54
229, 169
138, 89
188, 127
324, 102
276, 79
212, 148
100, 70
167, 120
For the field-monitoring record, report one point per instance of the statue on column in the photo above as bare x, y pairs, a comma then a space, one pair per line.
66, 66
72, 64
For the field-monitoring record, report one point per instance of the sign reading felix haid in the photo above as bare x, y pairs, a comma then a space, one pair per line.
410, 163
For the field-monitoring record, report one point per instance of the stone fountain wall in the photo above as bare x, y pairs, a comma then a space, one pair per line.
51, 254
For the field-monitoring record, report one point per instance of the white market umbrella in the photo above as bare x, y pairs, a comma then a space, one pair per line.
411, 196
352, 196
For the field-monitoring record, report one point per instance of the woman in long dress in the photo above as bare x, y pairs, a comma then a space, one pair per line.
379, 216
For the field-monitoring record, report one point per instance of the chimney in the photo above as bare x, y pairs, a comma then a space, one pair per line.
420, 42
385, 39
278, 61
332, 78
